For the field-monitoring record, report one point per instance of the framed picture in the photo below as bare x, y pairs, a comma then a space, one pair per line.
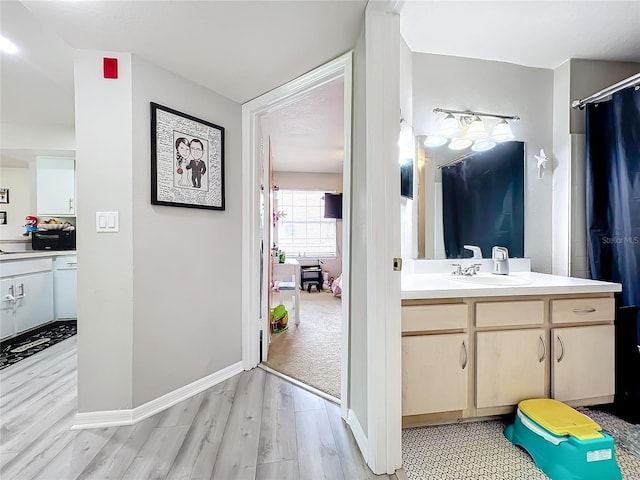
4, 195
3, 218
187, 160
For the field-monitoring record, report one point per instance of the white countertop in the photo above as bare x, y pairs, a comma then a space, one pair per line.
34, 254
444, 285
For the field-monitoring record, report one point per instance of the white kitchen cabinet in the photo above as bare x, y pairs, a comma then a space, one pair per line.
7, 323
56, 186
34, 300
27, 295
435, 373
583, 362
510, 366
65, 287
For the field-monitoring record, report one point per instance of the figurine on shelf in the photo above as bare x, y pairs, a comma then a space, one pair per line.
31, 224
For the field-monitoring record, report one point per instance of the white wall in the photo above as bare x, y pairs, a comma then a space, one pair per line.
105, 275
186, 262
495, 87
19, 182
327, 182
408, 210
561, 167
156, 300
574, 80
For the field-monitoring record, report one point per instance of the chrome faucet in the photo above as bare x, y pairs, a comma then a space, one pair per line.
500, 257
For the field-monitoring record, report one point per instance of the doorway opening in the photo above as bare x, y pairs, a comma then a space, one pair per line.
298, 152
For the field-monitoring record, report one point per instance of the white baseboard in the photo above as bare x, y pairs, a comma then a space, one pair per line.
358, 434
116, 418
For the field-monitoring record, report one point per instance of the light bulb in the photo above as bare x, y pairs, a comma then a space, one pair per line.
450, 126
502, 132
483, 145
435, 141
459, 143
476, 129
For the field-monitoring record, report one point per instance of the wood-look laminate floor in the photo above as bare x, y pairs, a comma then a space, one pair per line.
252, 426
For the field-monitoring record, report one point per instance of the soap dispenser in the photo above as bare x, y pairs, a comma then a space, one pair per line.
500, 257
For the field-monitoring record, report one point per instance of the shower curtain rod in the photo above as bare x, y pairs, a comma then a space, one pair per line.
455, 160
633, 80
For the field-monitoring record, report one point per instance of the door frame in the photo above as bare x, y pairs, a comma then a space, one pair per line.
251, 114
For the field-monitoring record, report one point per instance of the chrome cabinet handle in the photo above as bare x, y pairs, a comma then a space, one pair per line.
562, 347
466, 355
72, 264
581, 311
70, 204
544, 350
21, 293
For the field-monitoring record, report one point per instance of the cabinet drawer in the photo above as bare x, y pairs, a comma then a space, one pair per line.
497, 314
23, 267
574, 310
65, 262
420, 318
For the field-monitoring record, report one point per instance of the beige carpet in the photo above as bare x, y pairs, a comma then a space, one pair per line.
310, 351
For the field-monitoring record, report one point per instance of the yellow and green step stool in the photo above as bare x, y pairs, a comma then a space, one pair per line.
564, 443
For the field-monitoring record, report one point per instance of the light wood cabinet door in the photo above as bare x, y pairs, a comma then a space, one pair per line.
510, 366
583, 364
434, 373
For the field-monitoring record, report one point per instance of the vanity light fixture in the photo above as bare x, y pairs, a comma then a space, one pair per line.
475, 129
502, 132
449, 127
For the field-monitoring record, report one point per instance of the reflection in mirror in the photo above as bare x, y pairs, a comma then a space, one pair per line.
475, 199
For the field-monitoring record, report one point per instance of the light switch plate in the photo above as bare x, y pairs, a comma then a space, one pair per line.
107, 222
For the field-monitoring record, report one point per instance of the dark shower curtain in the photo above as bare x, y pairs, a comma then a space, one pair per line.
483, 202
613, 192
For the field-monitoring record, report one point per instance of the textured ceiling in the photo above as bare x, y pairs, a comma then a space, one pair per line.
308, 135
541, 34
242, 49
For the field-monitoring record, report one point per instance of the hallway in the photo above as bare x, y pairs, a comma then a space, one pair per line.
252, 426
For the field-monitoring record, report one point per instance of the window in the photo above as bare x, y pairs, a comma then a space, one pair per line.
304, 231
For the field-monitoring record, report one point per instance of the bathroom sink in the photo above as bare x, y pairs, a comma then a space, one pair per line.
490, 279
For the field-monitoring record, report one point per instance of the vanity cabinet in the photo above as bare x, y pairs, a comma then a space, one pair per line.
435, 373
475, 357
435, 359
510, 366
56, 186
583, 348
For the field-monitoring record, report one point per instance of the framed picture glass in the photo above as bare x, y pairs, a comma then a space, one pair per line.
4, 195
187, 160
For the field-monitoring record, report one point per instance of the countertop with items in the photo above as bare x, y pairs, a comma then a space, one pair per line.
434, 282
6, 256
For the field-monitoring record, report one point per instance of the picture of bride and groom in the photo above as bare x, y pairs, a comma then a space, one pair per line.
190, 168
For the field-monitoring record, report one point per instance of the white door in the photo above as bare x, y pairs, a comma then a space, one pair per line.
267, 267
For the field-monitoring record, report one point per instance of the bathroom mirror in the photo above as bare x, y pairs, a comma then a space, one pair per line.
472, 198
